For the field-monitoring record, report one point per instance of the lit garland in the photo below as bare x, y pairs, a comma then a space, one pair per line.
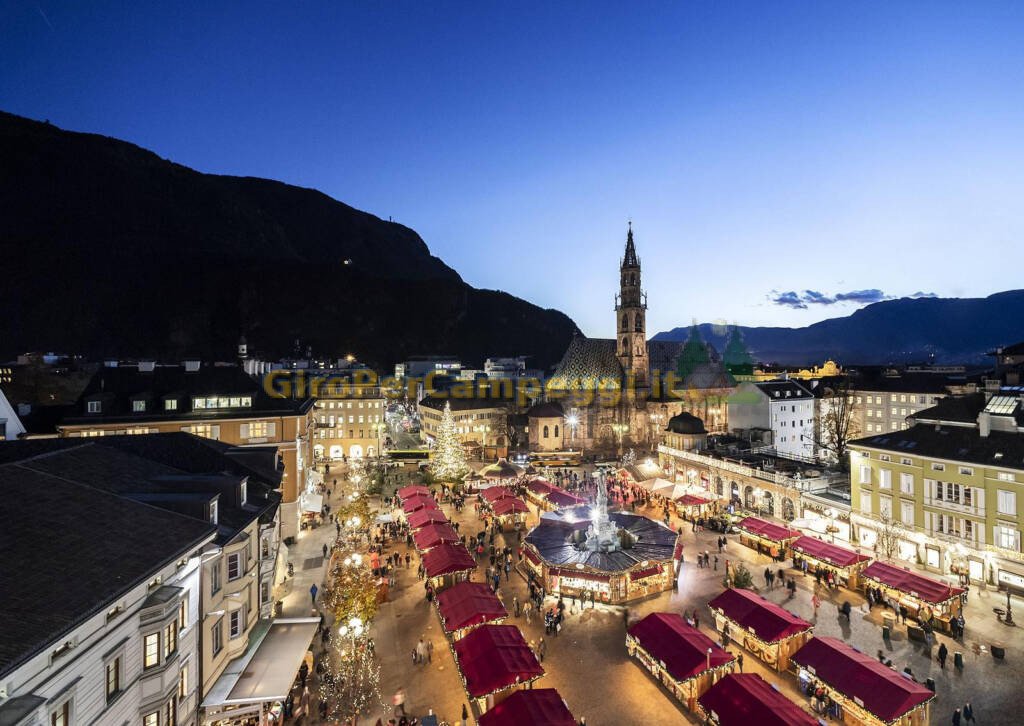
449, 460
353, 589
849, 704
351, 682
514, 684
657, 665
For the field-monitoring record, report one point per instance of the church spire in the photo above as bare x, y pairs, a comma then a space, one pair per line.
630, 258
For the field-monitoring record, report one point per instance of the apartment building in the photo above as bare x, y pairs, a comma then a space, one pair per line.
482, 422
215, 401
948, 487
784, 409
884, 401
350, 422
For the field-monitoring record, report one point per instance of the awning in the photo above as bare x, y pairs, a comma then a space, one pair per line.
682, 648
768, 621
536, 706
923, 588
749, 699
581, 574
468, 603
880, 690
411, 491
312, 502
828, 553
646, 572
531, 555
267, 669
539, 486
692, 500
767, 530
561, 498
494, 657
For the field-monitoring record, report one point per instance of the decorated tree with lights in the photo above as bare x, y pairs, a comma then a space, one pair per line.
449, 462
351, 682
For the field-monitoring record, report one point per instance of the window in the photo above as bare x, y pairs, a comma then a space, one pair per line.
151, 650
183, 613
907, 513
215, 577
235, 623
170, 638
93, 407
1007, 537
966, 471
234, 566
892, 397
213, 512
243, 492
151, 719
885, 479
545, 432
61, 716
906, 462
113, 677
1005, 476
170, 712
217, 636
183, 683
885, 506
264, 591
893, 411
865, 474
171, 404
258, 430
138, 406
865, 502
906, 483
1007, 502
884, 457
938, 467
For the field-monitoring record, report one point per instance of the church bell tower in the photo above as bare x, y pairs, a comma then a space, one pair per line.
630, 311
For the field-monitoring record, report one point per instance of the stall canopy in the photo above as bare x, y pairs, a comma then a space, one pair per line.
824, 552
768, 621
420, 501
923, 588
682, 648
669, 490
446, 559
432, 535
767, 530
267, 669
742, 699
469, 603
539, 486
653, 485
312, 502
883, 692
494, 657
423, 517
536, 707
692, 500
509, 505
562, 498
493, 494
411, 491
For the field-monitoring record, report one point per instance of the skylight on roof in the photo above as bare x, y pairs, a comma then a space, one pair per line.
1001, 405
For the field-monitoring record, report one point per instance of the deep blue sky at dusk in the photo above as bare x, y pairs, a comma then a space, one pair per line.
760, 148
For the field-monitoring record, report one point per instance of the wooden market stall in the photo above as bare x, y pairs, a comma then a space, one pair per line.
417, 502
692, 506
493, 662
746, 699
431, 535
559, 499
826, 557
769, 631
536, 707
411, 491
447, 564
766, 537
927, 600
865, 692
425, 517
467, 605
510, 511
679, 656
495, 493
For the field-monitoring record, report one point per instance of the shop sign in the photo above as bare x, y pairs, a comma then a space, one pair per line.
1011, 578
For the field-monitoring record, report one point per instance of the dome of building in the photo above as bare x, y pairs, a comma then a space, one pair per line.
686, 423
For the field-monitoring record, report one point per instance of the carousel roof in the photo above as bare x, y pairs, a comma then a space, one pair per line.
552, 539
493, 657
446, 559
767, 530
432, 535
535, 707
468, 603
493, 494
830, 553
501, 469
882, 691
747, 698
919, 586
681, 647
423, 517
509, 505
411, 491
420, 501
768, 621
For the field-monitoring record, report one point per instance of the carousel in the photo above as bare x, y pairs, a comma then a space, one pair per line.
609, 557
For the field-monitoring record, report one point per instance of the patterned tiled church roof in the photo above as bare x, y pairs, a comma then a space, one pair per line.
588, 363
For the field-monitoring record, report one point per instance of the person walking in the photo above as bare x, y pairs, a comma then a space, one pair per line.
943, 652
956, 717
421, 651
816, 602
542, 648
398, 700
739, 661
968, 713
312, 593
430, 651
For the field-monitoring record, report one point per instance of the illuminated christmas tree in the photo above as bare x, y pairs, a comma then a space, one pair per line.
449, 461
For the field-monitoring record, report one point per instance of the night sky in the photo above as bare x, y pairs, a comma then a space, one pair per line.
782, 162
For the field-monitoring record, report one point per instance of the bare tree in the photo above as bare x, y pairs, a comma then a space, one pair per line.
889, 535
837, 422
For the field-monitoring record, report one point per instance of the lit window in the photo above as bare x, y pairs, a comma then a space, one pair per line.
170, 712
234, 566
170, 638
258, 430
171, 404
93, 407
138, 406
151, 650
1005, 476
151, 719
113, 677
1007, 502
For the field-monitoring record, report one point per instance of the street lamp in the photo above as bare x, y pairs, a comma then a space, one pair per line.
620, 429
353, 628
758, 492
831, 514
572, 420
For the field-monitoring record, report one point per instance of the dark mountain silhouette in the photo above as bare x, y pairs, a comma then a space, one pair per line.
108, 249
946, 330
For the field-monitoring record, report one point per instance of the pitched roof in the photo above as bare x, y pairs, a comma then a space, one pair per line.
468, 603
587, 363
747, 698
781, 390
919, 586
953, 443
461, 403
445, 559
681, 647
535, 707
493, 657
546, 409
827, 552
962, 409
768, 621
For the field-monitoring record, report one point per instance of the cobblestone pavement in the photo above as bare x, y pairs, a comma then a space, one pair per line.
588, 664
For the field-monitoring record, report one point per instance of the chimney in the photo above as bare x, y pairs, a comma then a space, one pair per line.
984, 423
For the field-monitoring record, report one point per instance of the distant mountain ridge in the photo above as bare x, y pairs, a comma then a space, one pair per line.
110, 250
946, 330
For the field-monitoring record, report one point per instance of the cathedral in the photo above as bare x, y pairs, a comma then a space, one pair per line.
617, 393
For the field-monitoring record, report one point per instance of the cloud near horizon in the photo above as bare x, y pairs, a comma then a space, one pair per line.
802, 300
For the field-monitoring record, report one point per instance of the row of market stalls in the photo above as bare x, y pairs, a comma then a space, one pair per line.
691, 501
548, 497
445, 560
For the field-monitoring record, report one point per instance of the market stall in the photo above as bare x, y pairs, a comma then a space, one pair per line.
766, 537
746, 699
510, 511
537, 707
426, 516
559, 499
432, 535
495, 493
679, 656
493, 661
770, 632
420, 501
926, 600
466, 605
447, 564
537, 491
411, 491
826, 557
863, 691
692, 506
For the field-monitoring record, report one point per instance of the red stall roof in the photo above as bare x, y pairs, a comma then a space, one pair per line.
446, 559
767, 530
682, 648
562, 498
423, 517
509, 505
645, 572
420, 501
915, 585
468, 603
531, 555
432, 535
882, 691
741, 699
692, 500
826, 552
539, 486
493, 494
536, 707
494, 657
411, 491
768, 621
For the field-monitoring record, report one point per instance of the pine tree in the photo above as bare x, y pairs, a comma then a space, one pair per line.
736, 357
693, 354
449, 461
